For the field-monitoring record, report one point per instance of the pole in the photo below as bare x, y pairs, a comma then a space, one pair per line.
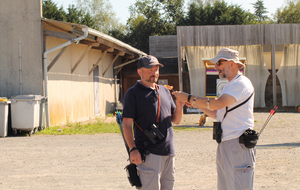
272, 112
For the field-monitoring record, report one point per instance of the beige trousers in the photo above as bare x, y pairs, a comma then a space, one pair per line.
235, 166
157, 172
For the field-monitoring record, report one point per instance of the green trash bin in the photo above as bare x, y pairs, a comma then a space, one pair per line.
4, 103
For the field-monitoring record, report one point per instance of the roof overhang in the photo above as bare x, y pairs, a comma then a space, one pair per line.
98, 40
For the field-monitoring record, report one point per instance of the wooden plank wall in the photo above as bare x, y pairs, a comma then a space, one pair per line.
230, 35
235, 35
163, 46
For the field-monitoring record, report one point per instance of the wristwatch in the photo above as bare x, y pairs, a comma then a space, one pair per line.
189, 98
132, 149
194, 100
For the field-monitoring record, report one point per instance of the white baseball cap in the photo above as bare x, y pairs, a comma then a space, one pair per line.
228, 54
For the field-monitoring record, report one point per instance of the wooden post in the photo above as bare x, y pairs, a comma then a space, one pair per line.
274, 75
180, 60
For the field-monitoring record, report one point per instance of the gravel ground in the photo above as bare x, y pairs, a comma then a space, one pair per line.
98, 161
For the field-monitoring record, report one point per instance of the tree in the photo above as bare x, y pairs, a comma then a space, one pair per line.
101, 12
51, 11
217, 13
89, 21
290, 13
152, 17
260, 10
74, 15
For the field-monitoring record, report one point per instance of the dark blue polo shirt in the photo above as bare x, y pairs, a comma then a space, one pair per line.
140, 103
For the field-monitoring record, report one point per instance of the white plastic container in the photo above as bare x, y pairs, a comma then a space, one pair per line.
4, 116
25, 112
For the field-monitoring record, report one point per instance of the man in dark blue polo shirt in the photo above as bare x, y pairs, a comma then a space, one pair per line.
150, 109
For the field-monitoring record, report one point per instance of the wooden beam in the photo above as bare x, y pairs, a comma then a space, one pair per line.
81, 58
130, 57
95, 65
116, 46
56, 58
112, 62
104, 53
126, 63
119, 70
110, 50
61, 35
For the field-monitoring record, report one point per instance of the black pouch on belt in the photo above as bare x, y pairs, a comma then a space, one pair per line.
217, 131
133, 176
249, 138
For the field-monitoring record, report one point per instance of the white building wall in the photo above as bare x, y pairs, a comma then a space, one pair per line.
20, 20
71, 96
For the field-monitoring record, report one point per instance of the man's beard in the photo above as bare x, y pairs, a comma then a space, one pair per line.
152, 79
223, 75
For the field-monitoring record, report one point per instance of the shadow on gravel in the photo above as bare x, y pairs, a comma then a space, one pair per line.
193, 126
279, 146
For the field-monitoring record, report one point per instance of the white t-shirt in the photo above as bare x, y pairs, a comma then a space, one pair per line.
240, 119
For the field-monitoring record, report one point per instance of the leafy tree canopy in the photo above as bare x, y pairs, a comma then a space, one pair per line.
101, 12
289, 13
95, 14
152, 17
51, 11
217, 13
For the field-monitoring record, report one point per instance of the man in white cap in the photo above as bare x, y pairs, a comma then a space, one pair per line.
150, 109
235, 162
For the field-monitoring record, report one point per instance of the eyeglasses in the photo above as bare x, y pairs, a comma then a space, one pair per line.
219, 62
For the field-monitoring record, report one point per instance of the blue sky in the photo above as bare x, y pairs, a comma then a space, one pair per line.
120, 7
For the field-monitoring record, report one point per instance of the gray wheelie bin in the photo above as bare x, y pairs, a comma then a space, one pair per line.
26, 113
4, 103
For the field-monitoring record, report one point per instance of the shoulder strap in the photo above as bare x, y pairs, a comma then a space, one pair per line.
237, 106
158, 109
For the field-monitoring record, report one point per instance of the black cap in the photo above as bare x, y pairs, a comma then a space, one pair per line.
148, 61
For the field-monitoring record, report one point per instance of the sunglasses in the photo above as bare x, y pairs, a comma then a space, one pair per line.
219, 62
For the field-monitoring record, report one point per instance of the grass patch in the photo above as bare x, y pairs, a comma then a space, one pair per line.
78, 128
99, 127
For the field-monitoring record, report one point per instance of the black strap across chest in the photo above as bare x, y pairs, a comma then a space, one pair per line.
237, 105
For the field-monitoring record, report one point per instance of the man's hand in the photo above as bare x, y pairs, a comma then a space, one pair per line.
188, 104
135, 157
180, 96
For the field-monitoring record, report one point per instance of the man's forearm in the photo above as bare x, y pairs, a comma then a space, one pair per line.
210, 113
127, 129
178, 113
